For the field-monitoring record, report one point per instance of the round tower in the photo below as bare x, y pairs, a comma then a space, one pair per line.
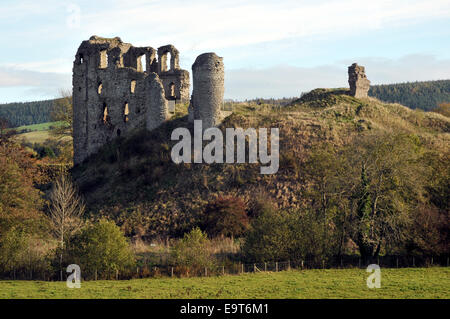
208, 89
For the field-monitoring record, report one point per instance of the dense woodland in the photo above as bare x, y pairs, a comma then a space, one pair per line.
416, 95
27, 113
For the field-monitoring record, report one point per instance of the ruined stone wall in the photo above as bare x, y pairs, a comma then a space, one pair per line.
116, 89
208, 89
175, 80
359, 84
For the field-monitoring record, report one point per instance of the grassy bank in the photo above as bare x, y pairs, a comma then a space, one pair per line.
333, 283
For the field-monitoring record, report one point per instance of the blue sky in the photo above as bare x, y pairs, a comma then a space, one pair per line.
270, 48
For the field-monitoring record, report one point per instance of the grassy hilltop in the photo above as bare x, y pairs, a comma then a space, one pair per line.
134, 179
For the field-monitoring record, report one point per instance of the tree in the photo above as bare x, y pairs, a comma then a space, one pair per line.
444, 109
13, 246
269, 237
101, 248
65, 211
325, 189
62, 112
387, 178
20, 201
226, 216
5, 131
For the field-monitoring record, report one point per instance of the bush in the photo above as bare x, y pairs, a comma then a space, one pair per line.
226, 216
101, 247
278, 236
192, 252
13, 246
23, 255
269, 238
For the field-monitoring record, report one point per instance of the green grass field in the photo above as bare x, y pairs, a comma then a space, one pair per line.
38, 127
34, 137
38, 132
334, 283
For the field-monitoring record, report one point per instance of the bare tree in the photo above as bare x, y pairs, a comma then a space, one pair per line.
66, 210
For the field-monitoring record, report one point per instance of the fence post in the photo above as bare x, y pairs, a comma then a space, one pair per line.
276, 266
414, 262
302, 264
117, 274
289, 265
95, 273
223, 270
242, 268
323, 263
265, 267
431, 260
171, 272
206, 272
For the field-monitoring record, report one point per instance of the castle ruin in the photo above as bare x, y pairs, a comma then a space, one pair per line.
357, 79
207, 95
118, 87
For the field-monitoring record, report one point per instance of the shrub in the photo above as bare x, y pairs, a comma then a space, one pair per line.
101, 247
279, 236
13, 246
269, 237
23, 255
226, 216
192, 251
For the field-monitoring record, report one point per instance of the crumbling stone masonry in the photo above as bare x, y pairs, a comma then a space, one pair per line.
359, 84
118, 88
208, 90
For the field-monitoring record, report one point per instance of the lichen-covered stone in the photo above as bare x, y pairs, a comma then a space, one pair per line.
359, 84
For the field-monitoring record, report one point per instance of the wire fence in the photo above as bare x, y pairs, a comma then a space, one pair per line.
151, 270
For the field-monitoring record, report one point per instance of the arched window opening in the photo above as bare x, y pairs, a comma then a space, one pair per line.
133, 86
165, 62
141, 63
100, 88
105, 114
103, 59
126, 111
169, 61
172, 90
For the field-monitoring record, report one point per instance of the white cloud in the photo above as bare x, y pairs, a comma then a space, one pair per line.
206, 25
59, 65
35, 85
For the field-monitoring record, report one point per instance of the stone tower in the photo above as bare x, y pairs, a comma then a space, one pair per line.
118, 88
359, 84
208, 90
